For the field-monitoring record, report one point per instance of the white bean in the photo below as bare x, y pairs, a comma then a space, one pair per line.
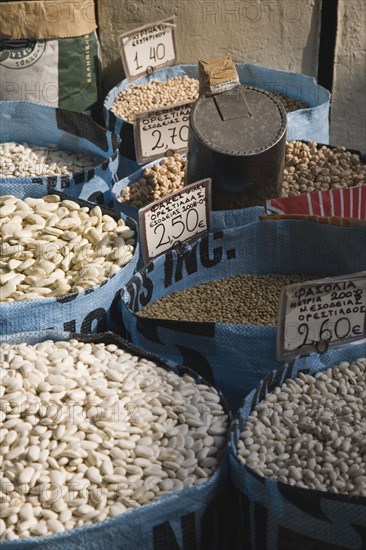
299, 440
23, 160
80, 447
41, 261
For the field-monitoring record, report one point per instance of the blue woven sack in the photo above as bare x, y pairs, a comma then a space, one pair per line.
232, 356
23, 121
92, 310
279, 516
124, 129
305, 124
191, 519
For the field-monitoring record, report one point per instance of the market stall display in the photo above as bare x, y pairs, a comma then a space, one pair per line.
151, 183
62, 261
155, 94
296, 449
27, 160
104, 445
157, 181
107, 432
254, 300
309, 121
83, 247
304, 457
308, 167
56, 131
312, 167
233, 355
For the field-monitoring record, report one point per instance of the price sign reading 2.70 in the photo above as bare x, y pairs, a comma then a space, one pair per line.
158, 131
148, 48
317, 315
177, 218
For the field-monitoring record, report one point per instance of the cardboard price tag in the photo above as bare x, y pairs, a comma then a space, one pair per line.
183, 215
317, 315
148, 48
165, 129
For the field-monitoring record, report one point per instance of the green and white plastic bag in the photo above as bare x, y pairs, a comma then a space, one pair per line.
49, 54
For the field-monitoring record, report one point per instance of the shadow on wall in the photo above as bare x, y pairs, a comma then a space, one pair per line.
113, 74
310, 51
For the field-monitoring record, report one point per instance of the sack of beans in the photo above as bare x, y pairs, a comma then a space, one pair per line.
159, 179
306, 103
101, 442
212, 304
50, 54
153, 182
312, 166
62, 262
297, 455
56, 150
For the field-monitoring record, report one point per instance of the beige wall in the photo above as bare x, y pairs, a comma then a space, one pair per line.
348, 120
282, 34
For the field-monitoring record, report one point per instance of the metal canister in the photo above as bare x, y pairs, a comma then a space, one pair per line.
238, 139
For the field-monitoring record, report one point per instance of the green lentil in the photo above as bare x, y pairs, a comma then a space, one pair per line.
243, 299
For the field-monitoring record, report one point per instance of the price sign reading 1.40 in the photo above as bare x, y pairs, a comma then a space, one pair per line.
148, 48
322, 314
181, 216
165, 129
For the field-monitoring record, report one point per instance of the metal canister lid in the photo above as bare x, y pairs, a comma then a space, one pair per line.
243, 121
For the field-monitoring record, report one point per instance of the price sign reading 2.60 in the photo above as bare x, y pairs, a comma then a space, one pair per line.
175, 219
158, 131
148, 48
317, 315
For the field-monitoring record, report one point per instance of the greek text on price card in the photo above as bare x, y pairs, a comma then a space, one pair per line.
165, 129
317, 315
178, 218
148, 48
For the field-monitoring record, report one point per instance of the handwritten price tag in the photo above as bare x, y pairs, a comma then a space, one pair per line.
148, 48
318, 315
181, 216
157, 132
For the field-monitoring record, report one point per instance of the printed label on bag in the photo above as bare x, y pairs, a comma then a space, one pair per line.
183, 215
148, 48
317, 315
160, 131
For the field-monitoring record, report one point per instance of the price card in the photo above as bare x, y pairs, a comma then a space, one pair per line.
322, 314
148, 48
165, 129
178, 218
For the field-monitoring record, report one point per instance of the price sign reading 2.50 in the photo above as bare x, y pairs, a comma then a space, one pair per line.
177, 218
148, 48
159, 131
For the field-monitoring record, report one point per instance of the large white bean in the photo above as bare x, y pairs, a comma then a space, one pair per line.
78, 447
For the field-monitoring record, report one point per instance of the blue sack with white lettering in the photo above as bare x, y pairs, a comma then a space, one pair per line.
192, 518
274, 515
90, 310
34, 124
234, 357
